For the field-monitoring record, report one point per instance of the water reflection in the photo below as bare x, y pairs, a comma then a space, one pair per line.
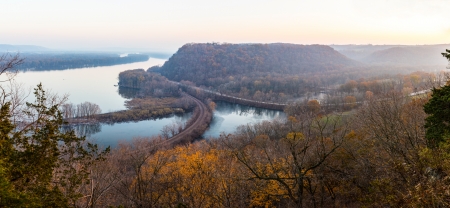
225, 108
95, 84
83, 129
127, 93
228, 116
110, 135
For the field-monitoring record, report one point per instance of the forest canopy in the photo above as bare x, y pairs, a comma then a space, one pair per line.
198, 62
258, 71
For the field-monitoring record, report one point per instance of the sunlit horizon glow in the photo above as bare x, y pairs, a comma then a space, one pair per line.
167, 25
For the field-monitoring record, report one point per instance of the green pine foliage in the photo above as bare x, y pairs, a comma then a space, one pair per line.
438, 108
438, 121
447, 54
41, 165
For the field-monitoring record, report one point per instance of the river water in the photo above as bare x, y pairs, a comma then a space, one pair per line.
96, 85
228, 116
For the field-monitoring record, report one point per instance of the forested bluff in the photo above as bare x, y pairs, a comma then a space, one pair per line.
390, 151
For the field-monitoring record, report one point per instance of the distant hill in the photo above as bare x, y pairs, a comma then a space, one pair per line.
409, 55
200, 62
21, 48
358, 52
395, 55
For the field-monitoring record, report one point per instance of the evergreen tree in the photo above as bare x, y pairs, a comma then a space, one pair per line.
447, 54
438, 108
40, 165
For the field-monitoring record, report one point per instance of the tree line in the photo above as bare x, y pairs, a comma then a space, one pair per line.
150, 96
59, 61
139, 109
83, 110
149, 84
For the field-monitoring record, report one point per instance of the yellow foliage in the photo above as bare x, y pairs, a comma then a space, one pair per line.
294, 135
196, 177
292, 119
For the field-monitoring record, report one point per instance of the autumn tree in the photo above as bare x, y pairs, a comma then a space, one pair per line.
349, 102
368, 95
286, 166
314, 106
211, 104
135, 187
349, 86
387, 153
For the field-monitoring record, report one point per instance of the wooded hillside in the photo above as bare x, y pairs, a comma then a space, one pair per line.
259, 71
198, 62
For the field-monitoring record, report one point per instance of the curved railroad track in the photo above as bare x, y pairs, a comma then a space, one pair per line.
198, 121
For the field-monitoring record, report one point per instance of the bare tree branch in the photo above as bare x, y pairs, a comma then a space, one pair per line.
8, 64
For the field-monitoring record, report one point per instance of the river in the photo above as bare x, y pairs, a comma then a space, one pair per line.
96, 85
228, 116
93, 84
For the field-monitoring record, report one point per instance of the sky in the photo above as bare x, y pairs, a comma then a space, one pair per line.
166, 25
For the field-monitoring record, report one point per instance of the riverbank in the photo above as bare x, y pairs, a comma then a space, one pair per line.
134, 115
141, 109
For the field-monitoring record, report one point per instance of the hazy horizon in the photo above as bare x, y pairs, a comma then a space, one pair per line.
166, 26
25, 49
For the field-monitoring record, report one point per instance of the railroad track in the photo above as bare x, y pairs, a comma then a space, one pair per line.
200, 118
180, 137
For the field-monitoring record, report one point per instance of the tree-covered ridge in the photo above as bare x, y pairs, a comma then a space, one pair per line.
57, 61
198, 62
266, 72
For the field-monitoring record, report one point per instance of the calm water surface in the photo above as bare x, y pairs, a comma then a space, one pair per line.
228, 116
96, 85
110, 135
